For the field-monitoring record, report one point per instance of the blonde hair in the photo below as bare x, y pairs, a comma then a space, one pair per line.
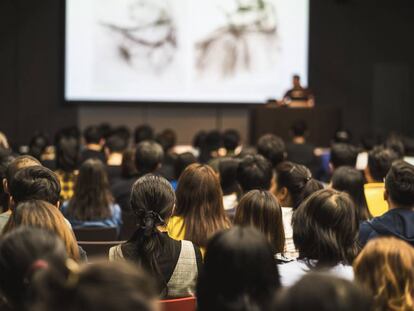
43, 215
386, 268
3, 141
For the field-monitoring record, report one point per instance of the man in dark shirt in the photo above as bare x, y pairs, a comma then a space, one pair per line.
298, 93
114, 148
94, 142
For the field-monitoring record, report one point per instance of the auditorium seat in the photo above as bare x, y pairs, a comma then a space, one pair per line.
96, 233
98, 249
180, 304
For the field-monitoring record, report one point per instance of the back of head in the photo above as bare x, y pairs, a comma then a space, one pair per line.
260, 209
116, 143
22, 252
200, 203
38, 145
67, 153
385, 269
105, 286
143, 133
93, 135
299, 128
325, 228
239, 272
272, 148
43, 215
395, 143
343, 154
228, 175
181, 162
128, 167
380, 160
167, 139
342, 136
35, 183
148, 157
19, 163
323, 292
231, 139
399, 184
254, 172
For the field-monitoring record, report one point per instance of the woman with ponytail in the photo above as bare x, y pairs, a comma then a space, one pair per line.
173, 264
294, 183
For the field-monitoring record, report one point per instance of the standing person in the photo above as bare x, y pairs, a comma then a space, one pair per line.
92, 204
199, 211
298, 92
173, 264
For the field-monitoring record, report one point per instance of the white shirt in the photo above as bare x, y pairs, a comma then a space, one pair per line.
290, 249
293, 271
230, 201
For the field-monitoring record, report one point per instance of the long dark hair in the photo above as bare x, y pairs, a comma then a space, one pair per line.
325, 228
298, 181
260, 209
351, 181
239, 272
67, 152
152, 202
92, 197
200, 203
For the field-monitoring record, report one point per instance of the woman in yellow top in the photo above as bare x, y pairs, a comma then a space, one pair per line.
199, 211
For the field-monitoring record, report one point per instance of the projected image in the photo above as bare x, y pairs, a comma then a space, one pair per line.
249, 25
223, 51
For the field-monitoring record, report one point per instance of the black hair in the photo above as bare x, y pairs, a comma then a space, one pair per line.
6, 158
181, 162
342, 136
239, 272
296, 76
212, 143
298, 181
152, 202
227, 168
198, 139
105, 129
19, 251
323, 292
396, 144
167, 139
399, 184
93, 134
254, 172
38, 145
325, 229
35, 183
380, 160
231, 139
343, 155
122, 131
351, 181
67, 152
142, 133
148, 156
272, 148
17, 164
116, 143
299, 128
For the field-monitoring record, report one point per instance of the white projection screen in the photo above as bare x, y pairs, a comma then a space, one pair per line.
210, 51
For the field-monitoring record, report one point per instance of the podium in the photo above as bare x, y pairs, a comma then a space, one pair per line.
322, 123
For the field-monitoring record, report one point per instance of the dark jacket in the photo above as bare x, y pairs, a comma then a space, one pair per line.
397, 222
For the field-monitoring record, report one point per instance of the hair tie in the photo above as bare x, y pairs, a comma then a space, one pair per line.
73, 276
149, 221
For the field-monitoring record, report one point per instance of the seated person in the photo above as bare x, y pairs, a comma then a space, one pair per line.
231, 142
142, 133
227, 169
94, 141
325, 227
115, 146
342, 154
92, 204
272, 148
380, 160
173, 264
398, 221
167, 139
255, 172
181, 162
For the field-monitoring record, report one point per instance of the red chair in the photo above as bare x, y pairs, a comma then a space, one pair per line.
180, 304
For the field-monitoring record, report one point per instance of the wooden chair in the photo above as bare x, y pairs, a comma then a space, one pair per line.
180, 304
98, 249
96, 234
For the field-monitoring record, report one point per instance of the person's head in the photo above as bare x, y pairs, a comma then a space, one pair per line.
351, 181
128, 168
17, 164
323, 292
6, 158
239, 272
152, 202
272, 148
181, 162
343, 155
148, 157
227, 168
231, 140
396, 144
296, 81
67, 152
210, 146
167, 139
105, 286
294, 183
255, 172
23, 252
38, 145
43, 215
199, 139
385, 269
93, 135
325, 229
35, 183
380, 160
122, 131
299, 129
261, 210
3, 141
92, 196
200, 203
399, 185
143, 133
342, 136
116, 143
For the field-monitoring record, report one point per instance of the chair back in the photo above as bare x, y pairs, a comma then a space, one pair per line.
98, 249
96, 233
180, 304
